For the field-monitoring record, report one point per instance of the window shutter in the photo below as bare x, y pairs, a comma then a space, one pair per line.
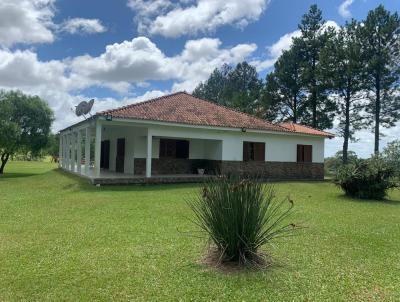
300, 157
259, 151
308, 153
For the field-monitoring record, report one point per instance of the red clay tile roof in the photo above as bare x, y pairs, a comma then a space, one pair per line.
306, 130
184, 108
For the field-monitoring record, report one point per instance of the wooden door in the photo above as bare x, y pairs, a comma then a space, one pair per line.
120, 160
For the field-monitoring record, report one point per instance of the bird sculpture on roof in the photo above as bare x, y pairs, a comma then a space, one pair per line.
84, 108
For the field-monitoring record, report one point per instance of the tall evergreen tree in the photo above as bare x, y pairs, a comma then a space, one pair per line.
243, 89
214, 87
283, 97
238, 88
314, 36
381, 50
341, 66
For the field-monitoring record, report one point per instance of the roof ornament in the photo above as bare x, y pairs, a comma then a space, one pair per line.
84, 108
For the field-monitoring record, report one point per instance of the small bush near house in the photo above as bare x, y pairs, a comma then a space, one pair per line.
240, 216
367, 179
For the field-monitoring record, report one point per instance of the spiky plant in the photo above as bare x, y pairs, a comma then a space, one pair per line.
241, 215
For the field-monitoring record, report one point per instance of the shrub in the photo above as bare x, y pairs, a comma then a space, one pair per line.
240, 216
334, 163
391, 154
366, 179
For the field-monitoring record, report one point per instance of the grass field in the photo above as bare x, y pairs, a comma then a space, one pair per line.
62, 239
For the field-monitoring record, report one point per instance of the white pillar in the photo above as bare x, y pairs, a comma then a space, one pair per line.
149, 153
68, 149
60, 146
79, 152
97, 149
87, 151
64, 151
73, 151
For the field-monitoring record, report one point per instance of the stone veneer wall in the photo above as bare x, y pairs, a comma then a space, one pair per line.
267, 170
276, 170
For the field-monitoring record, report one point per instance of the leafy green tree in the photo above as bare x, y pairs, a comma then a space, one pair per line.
314, 37
283, 97
391, 153
53, 146
333, 163
213, 89
25, 123
243, 89
238, 88
381, 51
342, 68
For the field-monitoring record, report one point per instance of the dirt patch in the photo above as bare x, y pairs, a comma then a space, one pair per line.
212, 259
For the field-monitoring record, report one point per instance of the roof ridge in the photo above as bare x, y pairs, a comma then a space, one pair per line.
238, 111
139, 103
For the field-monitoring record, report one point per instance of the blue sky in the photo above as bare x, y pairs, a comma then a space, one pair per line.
124, 51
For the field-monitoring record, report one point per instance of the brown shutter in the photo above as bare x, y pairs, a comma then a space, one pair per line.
308, 153
259, 151
300, 157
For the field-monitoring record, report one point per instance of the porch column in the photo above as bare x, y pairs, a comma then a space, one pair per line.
73, 151
97, 149
87, 151
79, 152
60, 146
68, 149
149, 153
65, 158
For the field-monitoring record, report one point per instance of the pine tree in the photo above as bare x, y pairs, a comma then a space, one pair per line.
381, 51
283, 97
314, 36
214, 87
341, 66
238, 88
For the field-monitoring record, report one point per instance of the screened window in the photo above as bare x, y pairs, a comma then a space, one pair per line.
253, 151
304, 153
172, 148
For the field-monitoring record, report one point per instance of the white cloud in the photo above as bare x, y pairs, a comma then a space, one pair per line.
140, 60
121, 67
170, 19
284, 43
23, 69
275, 50
26, 21
344, 8
84, 26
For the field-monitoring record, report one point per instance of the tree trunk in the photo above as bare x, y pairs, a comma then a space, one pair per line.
346, 133
314, 97
295, 109
4, 159
377, 112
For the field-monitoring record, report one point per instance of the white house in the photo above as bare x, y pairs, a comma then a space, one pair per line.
171, 137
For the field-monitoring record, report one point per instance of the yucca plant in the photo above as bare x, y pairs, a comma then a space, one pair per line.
240, 215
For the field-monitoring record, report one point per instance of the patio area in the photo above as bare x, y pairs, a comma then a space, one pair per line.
107, 177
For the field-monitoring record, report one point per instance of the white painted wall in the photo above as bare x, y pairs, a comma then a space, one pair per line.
206, 143
279, 147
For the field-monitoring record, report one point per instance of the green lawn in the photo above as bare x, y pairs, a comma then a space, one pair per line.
62, 239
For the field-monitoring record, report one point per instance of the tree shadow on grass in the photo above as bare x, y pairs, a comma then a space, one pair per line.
16, 175
386, 201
